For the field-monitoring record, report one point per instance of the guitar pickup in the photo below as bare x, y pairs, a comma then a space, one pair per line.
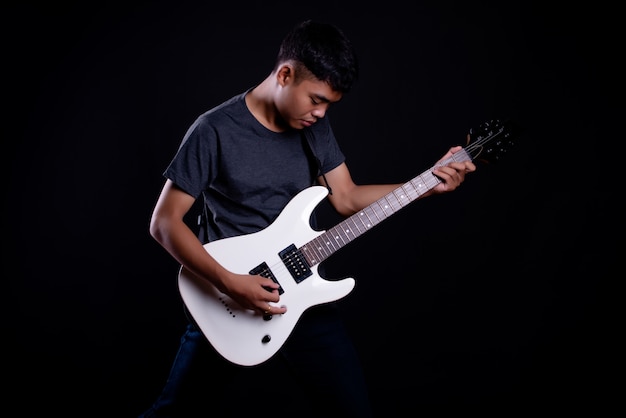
264, 270
294, 260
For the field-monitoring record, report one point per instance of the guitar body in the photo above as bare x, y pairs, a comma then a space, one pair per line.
243, 336
289, 252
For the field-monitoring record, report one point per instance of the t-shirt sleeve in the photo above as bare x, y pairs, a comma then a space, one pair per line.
325, 146
192, 167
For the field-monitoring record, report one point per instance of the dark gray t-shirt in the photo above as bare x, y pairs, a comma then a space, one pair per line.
246, 173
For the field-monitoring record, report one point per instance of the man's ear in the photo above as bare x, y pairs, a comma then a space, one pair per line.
284, 74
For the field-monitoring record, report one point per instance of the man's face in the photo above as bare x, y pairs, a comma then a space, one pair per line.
302, 104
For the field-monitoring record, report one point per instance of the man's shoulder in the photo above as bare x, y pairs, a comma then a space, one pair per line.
234, 105
321, 128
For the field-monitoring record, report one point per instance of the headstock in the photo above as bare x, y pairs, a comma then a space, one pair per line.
489, 141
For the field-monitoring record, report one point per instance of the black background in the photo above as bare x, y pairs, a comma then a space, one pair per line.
502, 295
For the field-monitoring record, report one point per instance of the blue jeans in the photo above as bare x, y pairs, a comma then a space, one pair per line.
316, 373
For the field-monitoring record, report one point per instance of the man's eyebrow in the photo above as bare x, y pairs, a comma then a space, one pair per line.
322, 98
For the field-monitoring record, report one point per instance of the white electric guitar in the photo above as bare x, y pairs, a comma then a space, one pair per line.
289, 252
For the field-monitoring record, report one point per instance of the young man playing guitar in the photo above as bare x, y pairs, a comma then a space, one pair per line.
247, 158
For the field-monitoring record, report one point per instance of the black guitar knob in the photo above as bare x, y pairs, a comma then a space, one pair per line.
266, 339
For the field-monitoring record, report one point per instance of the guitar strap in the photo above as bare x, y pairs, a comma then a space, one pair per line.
203, 230
315, 167
315, 164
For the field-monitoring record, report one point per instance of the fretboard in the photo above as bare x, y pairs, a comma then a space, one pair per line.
335, 238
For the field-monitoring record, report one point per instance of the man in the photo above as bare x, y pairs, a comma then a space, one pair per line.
247, 158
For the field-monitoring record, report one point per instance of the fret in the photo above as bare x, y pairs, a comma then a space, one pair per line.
409, 192
321, 247
366, 213
365, 224
354, 227
386, 207
419, 185
394, 203
401, 197
328, 241
313, 248
340, 234
310, 255
378, 212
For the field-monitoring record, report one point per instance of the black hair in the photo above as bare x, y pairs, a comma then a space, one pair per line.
324, 50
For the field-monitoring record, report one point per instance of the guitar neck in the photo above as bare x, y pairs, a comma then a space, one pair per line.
335, 238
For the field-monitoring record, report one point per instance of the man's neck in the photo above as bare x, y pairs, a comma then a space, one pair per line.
260, 102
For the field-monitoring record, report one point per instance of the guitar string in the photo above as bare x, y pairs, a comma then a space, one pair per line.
298, 255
